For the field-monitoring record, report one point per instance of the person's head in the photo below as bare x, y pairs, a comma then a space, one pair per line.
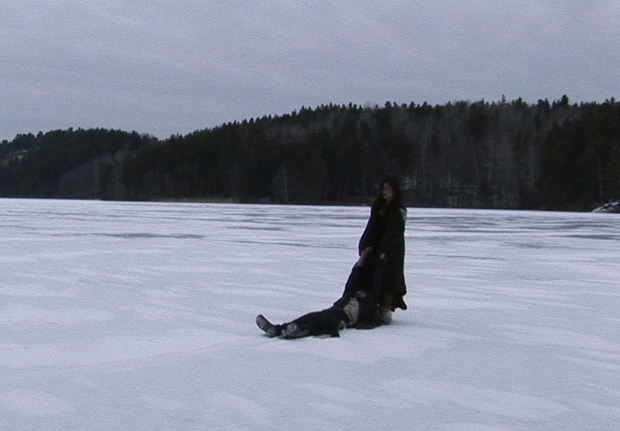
389, 191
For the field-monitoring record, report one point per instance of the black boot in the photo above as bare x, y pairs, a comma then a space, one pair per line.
270, 329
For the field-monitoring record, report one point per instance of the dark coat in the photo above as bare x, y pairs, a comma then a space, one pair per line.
385, 233
360, 279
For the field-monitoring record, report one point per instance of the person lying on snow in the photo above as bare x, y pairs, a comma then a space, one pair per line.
357, 307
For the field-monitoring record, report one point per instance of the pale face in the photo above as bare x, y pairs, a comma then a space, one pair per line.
387, 192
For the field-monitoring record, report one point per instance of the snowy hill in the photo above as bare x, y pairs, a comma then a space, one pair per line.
613, 206
140, 316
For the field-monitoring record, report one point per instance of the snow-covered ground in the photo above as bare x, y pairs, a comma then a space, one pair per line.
140, 316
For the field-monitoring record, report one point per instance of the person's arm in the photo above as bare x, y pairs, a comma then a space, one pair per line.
368, 240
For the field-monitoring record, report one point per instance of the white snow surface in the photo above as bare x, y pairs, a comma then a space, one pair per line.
140, 316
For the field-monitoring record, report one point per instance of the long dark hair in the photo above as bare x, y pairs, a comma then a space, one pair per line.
397, 201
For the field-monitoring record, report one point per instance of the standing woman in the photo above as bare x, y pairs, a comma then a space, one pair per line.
384, 241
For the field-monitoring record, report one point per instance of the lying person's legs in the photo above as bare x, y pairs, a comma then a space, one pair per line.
326, 322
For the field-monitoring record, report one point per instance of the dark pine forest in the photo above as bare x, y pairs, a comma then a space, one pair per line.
506, 154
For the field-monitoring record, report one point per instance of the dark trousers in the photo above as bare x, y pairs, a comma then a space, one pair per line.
325, 322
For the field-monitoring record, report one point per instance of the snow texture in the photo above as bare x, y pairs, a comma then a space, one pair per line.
140, 316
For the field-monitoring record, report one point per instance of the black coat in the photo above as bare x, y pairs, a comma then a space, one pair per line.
360, 279
385, 233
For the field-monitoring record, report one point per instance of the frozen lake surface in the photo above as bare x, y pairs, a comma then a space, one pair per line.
140, 316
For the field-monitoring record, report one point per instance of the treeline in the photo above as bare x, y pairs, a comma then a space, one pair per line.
548, 155
79, 164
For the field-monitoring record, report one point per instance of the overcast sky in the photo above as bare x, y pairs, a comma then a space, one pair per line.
167, 67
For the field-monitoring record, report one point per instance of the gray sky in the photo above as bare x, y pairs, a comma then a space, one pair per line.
165, 67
